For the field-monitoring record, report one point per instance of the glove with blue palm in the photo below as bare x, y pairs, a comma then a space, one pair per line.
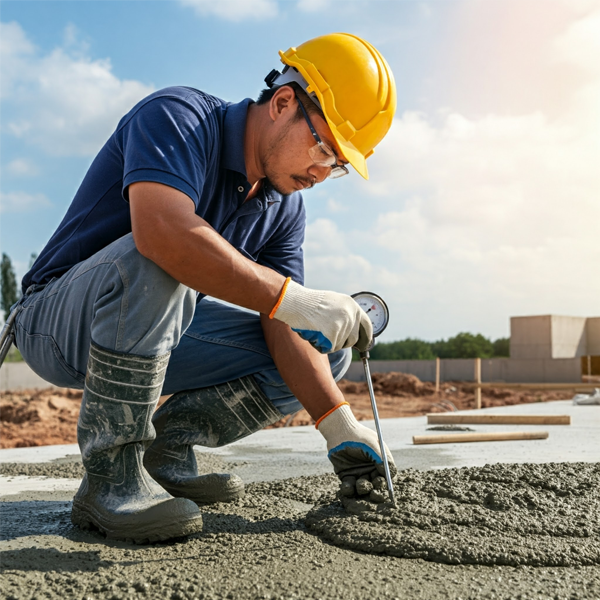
328, 320
353, 449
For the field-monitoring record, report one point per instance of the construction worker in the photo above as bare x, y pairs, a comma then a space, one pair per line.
191, 197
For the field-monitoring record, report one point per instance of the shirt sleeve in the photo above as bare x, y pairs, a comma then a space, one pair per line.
170, 141
283, 252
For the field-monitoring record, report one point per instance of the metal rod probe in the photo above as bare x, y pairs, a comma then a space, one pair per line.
365, 360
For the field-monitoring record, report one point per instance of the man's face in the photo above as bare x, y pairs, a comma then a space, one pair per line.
287, 165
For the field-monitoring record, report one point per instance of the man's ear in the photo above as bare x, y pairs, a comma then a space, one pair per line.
282, 102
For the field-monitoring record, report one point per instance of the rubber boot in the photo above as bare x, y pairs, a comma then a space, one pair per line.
117, 495
211, 417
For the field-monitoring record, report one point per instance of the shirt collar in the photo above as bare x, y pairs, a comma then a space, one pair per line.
232, 153
233, 136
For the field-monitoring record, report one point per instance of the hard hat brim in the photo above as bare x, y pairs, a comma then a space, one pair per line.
349, 152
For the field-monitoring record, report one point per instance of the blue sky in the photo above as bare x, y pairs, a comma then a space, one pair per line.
483, 199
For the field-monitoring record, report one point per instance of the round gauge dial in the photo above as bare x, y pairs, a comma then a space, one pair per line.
375, 308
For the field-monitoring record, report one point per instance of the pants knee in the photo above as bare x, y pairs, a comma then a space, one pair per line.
146, 310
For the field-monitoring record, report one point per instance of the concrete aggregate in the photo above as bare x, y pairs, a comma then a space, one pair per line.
261, 547
538, 515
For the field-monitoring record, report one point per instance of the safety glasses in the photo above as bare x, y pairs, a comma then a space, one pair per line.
321, 154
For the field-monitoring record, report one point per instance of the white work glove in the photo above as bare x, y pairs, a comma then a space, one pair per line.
328, 320
353, 449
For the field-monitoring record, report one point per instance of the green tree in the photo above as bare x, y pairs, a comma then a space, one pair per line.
8, 282
464, 345
501, 347
408, 349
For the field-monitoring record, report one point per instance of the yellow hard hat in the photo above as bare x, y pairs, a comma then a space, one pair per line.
355, 88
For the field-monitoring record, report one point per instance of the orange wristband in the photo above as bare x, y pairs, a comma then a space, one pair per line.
283, 291
329, 412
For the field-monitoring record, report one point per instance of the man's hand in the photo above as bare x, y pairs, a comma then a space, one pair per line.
328, 320
353, 449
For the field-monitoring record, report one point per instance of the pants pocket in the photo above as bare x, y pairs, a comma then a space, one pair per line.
44, 357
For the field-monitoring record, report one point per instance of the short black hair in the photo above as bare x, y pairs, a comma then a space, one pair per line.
311, 108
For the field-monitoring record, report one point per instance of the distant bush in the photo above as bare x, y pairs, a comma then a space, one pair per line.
501, 347
407, 349
463, 345
13, 355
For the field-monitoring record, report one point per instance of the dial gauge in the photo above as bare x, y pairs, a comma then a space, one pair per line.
375, 308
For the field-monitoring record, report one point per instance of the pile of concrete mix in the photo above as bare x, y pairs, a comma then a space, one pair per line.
537, 515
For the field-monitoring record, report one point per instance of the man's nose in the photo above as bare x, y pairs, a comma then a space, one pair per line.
319, 173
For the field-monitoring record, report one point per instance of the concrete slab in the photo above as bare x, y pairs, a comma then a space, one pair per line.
258, 550
12, 486
284, 452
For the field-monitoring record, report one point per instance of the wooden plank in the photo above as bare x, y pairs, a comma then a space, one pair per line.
478, 381
534, 386
479, 437
459, 419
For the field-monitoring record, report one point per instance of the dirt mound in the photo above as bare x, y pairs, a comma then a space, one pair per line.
45, 417
39, 417
401, 385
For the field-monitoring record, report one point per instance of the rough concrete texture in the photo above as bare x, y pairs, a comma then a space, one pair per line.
538, 515
260, 547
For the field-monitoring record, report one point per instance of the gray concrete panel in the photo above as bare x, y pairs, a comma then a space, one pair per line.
19, 376
508, 370
592, 330
568, 336
531, 337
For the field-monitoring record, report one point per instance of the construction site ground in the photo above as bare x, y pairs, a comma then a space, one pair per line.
261, 547
49, 416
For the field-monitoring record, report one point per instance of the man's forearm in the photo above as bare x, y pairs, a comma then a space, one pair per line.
305, 371
167, 231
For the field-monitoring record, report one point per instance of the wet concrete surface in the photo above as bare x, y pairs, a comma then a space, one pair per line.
537, 515
263, 546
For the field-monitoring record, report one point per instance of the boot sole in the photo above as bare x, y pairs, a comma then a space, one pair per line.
140, 528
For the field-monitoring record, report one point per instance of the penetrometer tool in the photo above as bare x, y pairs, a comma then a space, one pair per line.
379, 315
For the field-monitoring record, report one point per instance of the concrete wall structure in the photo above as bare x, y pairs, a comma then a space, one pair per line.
19, 376
592, 331
568, 336
507, 370
554, 336
531, 337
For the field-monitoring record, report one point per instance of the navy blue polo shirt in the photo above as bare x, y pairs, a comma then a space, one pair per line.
193, 142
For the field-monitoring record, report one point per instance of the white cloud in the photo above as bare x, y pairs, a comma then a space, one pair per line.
63, 102
312, 6
425, 10
580, 43
486, 217
22, 202
335, 206
21, 167
234, 10
335, 262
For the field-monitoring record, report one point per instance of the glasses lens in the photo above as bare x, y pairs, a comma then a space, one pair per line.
322, 155
337, 172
